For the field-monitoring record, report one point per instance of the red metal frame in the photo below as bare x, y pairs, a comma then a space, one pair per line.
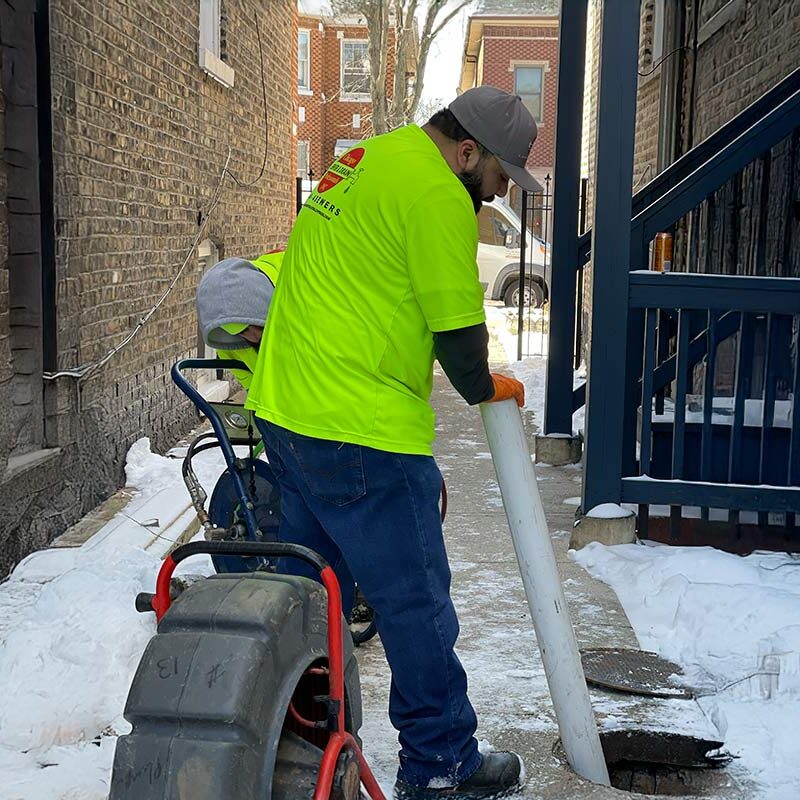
338, 739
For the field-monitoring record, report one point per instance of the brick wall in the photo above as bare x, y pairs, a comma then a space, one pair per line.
748, 55
590, 80
505, 45
140, 137
327, 116
645, 154
5, 339
735, 62
750, 226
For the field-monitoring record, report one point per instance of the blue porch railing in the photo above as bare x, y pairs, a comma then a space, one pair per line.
677, 190
693, 385
718, 441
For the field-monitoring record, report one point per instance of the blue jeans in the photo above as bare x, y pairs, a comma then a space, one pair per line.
374, 516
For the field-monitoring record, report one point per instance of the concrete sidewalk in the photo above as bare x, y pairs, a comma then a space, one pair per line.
497, 643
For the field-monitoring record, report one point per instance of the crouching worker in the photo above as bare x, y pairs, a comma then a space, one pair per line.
233, 299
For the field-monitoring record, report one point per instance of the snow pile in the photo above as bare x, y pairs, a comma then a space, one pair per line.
609, 511
79, 641
149, 472
70, 653
503, 323
732, 623
70, 642
79, 772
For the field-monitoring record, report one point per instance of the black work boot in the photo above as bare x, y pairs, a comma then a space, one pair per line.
499, 775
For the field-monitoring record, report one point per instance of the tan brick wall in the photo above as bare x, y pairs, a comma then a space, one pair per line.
645, 155
140, 137
747, 56
5, 341
732, 67
590, 87
750, 53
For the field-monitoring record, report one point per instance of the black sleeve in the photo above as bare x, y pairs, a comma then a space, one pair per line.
464, 356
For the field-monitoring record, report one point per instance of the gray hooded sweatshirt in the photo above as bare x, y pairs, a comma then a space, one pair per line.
232, 291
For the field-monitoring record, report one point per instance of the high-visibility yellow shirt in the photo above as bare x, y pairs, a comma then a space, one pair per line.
382, 256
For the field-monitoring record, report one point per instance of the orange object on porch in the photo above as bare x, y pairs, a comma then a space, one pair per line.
662, 253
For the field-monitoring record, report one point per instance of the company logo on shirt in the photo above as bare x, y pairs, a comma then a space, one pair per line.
341, 170
344, 169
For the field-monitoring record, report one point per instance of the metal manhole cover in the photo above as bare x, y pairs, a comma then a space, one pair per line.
634, 671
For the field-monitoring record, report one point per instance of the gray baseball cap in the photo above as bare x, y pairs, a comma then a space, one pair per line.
500, 122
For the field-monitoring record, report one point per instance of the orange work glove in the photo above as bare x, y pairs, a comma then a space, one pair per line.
505, 388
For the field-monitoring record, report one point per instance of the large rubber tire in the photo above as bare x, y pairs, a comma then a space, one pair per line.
209, 700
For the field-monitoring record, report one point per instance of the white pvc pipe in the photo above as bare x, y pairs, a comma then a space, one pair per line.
537, 563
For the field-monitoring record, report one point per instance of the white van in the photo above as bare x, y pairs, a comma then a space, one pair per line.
498, 257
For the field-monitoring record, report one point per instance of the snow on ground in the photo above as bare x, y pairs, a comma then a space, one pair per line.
503, 323
732, 624
532, 370
70, 641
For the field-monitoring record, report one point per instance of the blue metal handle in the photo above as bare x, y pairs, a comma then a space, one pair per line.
216, 423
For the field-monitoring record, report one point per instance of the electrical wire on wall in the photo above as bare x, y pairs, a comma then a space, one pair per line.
662, 60
84, 370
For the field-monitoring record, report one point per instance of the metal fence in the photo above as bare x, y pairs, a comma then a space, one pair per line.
533, 325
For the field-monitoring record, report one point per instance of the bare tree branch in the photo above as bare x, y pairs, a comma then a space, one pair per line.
397, 103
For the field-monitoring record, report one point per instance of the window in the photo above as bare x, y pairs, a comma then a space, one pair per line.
302, 159
355, 68
658, 33
343, 145
492, 228
210, 382
213, 44
303, 61
528, 85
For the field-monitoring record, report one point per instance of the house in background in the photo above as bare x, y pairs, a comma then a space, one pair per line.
513, 45
334, 106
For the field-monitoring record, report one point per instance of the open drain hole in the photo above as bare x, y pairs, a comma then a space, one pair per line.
663, 764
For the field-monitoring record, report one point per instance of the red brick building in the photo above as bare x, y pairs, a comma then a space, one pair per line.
514, 46
334, 109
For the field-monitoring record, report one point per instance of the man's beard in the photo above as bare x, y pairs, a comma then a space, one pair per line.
472, 181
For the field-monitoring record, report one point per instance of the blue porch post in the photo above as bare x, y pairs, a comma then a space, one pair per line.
611, 252
569, 116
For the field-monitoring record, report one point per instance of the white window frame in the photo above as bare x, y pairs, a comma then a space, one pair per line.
208, 55
304, 173
208, 384
542, 66
658, 33
301, 88
360, 97
343, 145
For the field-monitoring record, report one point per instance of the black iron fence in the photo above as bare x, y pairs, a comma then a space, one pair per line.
532, 308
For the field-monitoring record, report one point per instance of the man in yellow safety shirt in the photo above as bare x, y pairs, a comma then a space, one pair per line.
380, 278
